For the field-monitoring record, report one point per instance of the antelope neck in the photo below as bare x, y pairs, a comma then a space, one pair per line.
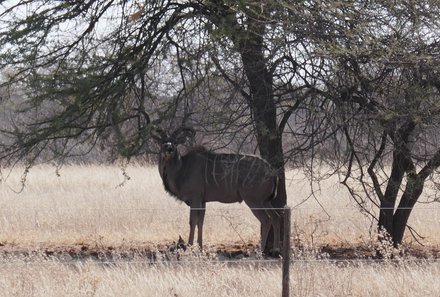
169, 171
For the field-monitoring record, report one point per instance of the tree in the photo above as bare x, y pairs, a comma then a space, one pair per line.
106, 69
384, 86
359, 75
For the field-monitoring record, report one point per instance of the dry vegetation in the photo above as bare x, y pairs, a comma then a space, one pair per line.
85, 209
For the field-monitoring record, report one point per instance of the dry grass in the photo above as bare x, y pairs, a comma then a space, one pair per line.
85, 205
207, 279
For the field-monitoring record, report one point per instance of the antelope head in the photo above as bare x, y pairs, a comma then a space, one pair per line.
168, 143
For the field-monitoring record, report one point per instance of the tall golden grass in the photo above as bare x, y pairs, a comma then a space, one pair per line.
209, 280
88, 205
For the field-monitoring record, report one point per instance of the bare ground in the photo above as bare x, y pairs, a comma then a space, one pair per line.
173, 252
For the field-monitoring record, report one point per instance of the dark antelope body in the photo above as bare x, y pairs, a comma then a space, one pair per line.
201, 176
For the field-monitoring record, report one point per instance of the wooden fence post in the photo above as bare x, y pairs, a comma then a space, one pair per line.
286, 253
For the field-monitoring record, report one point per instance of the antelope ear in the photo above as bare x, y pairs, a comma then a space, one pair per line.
182, 134
159, 135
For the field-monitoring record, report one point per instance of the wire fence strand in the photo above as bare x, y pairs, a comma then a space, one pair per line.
57, 262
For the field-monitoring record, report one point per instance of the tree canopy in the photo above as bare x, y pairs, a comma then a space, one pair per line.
354, 84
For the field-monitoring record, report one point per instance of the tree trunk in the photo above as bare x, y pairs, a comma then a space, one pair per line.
263, 109
389, 199
250, 44
402, 163
413, 190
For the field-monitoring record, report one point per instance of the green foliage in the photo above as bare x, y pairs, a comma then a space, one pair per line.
101, 66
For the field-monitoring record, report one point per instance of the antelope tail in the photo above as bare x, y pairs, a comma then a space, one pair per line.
275, 190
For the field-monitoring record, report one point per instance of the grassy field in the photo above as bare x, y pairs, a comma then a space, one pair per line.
86, 206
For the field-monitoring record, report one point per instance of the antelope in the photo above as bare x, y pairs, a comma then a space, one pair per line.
201, 176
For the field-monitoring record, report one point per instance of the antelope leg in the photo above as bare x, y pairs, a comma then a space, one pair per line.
194, 218
192, 226
200, 225
276, 224
264, 219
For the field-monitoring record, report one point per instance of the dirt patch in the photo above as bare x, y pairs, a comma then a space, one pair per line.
367, 252
177, 252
